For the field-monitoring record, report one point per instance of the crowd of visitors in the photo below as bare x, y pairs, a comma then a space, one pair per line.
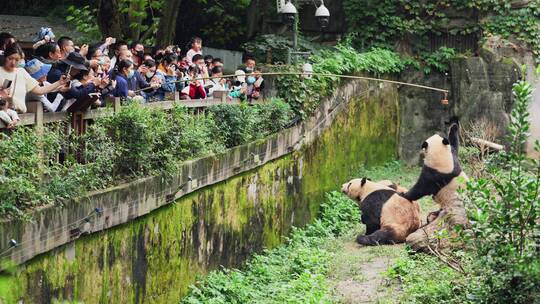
66, 77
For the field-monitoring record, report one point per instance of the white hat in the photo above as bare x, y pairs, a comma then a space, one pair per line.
240, 75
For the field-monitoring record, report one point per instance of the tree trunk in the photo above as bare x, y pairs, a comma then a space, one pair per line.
109, 18
253, 20
453, 213
167, 23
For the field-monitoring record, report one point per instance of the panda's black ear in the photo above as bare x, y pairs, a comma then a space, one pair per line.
363, 181
445, 142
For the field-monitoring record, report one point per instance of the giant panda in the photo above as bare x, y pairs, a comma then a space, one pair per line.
441, 169
389, 218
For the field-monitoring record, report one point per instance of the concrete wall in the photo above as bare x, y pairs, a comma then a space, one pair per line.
251, 202
231, 59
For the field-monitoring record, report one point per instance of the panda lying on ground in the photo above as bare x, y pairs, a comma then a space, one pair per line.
389, 218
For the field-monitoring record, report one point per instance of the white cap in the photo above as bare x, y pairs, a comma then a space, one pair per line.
240, 75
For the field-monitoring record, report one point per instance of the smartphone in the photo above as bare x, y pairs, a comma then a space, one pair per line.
68, 71
113, 41
7, 83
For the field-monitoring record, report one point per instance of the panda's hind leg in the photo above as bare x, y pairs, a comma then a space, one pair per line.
382, 236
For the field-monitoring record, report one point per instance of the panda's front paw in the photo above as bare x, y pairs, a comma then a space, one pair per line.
362, 239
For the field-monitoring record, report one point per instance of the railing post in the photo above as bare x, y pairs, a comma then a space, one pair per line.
117, 105
39, 118
176, 96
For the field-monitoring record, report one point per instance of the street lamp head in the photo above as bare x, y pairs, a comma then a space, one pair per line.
323, 16
288, 13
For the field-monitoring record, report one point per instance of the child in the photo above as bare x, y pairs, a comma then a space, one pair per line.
238, 87
8, 117
196, 48
216, 83
255, 84
195, 90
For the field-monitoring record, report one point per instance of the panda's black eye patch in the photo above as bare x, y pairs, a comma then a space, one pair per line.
424, 145
445, 142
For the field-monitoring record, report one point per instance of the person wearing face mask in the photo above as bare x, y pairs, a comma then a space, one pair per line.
255, 83
137, 49
167, 72
16, 82
216, 83
121, 73
149, 71
66, 46
249, 63
238, 85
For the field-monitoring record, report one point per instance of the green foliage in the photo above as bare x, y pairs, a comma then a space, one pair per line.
293, 273
385, 23
425, 279
438, 60
239, 125
304, 95
20, 176
141, 19
522, 23
504, 212
272, 48
227, 22
135, 142
84, 20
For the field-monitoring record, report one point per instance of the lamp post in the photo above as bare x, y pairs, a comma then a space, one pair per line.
289, 15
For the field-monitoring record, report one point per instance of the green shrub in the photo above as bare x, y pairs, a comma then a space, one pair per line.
21, 169
135, 142
504, 211
304, 95
271, 117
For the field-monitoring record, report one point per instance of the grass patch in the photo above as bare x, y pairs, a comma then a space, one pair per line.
292, 273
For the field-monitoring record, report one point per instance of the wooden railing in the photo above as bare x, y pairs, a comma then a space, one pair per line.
35, 115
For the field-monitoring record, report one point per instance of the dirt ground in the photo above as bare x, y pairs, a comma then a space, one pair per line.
357, 273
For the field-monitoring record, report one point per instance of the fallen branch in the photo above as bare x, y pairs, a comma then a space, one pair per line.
486, 143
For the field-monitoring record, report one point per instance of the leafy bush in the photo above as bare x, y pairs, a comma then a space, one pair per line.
293, 273
272, 48
241, 124
135, 142
504, 211
21, 169
304, 95
438, 60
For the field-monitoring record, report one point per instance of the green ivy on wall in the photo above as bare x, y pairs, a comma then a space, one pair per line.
383, 23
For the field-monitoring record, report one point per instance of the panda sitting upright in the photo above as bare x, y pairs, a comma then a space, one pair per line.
441, 169
389, 218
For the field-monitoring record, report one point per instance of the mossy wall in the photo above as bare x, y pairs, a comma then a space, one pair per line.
155, 258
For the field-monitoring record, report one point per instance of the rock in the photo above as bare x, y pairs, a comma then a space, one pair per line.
421, 112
